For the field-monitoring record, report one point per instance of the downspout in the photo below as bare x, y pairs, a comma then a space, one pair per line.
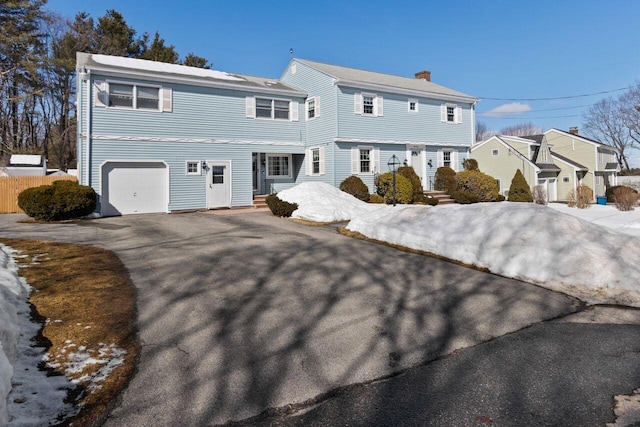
333, 148
85, 75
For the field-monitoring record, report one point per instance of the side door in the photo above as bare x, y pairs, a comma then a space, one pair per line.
218, 184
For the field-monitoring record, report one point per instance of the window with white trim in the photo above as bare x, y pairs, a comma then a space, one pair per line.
495, 152
194, 168
315, 161
451, 113
565, 179
598, 179
368, 104
278, 166
600, 157
446, 159
413, 106
365, 160
313, 107
134, 96
275, 109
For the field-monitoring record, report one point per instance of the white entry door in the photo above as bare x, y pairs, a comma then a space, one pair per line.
218, 184
550, 188
418, 161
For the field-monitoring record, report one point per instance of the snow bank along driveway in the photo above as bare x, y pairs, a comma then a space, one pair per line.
525, 241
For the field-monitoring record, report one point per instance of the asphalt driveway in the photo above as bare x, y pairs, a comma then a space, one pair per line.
242, 313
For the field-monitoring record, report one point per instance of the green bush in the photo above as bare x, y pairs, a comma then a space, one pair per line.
58, 201
356, 187
500, 198
445, 179
464, 198
470, 164
423, 199
280, 207
519, 190
475, 185
404, 189
409, 173
376, 198
611, 190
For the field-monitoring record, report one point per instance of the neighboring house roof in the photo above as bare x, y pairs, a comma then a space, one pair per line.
536, 138
180, 73
25, 160
361, 78
548, 167
584, 138
612, 166
569, 161
503, 140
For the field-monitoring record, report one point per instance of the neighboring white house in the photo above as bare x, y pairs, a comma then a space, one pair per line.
25, 165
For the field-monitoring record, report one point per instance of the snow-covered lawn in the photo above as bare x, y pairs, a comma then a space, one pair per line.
581, 252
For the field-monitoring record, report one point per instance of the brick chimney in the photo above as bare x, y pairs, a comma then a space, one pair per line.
424, 74
573, 130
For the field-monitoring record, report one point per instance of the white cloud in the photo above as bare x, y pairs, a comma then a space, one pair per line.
506, 110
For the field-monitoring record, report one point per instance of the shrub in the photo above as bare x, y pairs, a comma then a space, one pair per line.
280, 207
584, 196
445, 179
58, 201
470, 164
409, 173
475, 185
500, 198
571, 199
423, 199
625, 198
539, 195
519, 190
356, 187
404, 189
464, 198
610, 190
376, 198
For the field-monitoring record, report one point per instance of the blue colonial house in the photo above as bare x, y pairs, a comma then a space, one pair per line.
156, 137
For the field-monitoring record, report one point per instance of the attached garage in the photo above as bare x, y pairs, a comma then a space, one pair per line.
134, 187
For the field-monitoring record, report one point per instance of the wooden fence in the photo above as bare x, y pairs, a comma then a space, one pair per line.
11, 186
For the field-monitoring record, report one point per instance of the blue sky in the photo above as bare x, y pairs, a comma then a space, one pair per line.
488, 49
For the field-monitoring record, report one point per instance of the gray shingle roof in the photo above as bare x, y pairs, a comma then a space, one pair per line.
611, 166
571, 162
370, 77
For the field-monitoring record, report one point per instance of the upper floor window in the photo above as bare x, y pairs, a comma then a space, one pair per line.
313, 107
494, 152
413, 106
269, 108
368, 104
134, 96
450, 113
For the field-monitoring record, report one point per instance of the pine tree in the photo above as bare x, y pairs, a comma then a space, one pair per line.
519, 190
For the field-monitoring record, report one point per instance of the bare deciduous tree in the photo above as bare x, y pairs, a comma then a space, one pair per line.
521, 129
606, 122
483, 132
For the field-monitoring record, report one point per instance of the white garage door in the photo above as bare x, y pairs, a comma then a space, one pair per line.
133, 188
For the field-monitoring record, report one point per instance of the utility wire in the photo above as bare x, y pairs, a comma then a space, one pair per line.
555, 97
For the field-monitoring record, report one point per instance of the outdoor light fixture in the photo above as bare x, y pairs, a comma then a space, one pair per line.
405, 162
429, 163
204, 164
393, 164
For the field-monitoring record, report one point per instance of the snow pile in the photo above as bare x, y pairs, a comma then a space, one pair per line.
28, 397
525, 241
322, 202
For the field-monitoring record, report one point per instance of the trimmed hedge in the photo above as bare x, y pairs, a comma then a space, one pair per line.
445, 179
404, 189
470, 164
475, 186
409, 173
519, 190
376, 198
356, 187
58, 201
280, 207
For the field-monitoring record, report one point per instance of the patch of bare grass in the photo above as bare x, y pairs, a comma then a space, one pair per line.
86, 296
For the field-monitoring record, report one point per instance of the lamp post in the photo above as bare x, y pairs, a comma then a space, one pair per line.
393, 166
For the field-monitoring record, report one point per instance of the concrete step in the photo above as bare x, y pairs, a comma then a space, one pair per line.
443, 198
259, 201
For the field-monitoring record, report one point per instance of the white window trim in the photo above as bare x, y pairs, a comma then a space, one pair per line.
316, 107
321, 157
495, 152
566, 179
186, 167
457, 114
415, 101
293, 105
271, 155
135, 96
374, 160
378, 104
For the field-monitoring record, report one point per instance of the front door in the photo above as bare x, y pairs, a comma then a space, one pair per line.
551, 189
417, 161
218, 184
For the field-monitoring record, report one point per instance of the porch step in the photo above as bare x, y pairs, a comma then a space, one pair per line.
443, 198
259, 201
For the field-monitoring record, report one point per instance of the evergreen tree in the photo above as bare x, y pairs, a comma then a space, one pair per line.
157, 51
193, 60
115, 37
519, 190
